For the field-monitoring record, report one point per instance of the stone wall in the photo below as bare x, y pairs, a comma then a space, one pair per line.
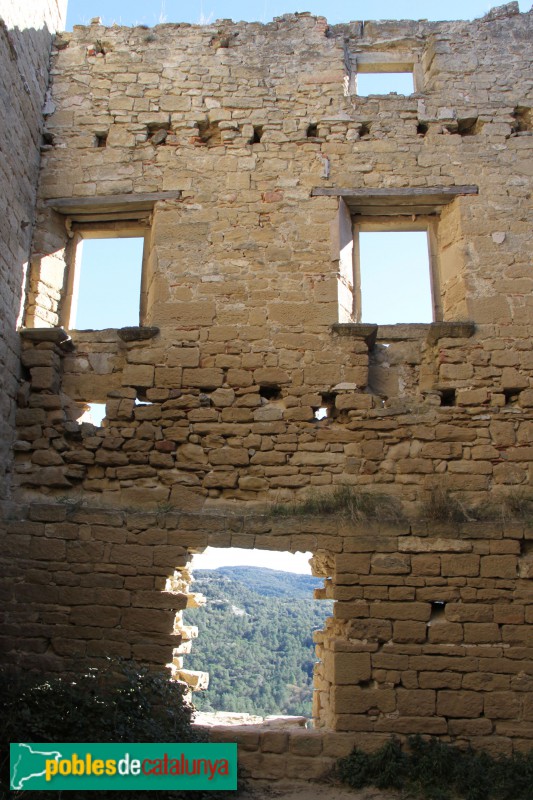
243, 156
250, 435
25, 42
431, 630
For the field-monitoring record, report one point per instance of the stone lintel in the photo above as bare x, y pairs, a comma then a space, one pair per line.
383, 202
139, 201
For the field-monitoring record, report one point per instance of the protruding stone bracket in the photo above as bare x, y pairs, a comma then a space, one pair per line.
450, 330
357, 330
58, 336
137, 333
432, 332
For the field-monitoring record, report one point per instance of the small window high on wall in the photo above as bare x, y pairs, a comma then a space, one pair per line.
385, 83
384, 73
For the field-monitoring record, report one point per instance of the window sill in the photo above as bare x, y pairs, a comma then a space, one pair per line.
431, 332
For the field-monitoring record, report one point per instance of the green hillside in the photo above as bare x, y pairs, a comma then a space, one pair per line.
255, 639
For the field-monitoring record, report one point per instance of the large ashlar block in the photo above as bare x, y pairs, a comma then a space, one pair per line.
346, 668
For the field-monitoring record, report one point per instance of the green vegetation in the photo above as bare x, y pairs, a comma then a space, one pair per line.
345, 501
123, 703
442, 506
256, 640
433, 770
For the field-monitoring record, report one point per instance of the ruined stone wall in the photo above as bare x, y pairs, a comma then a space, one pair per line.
431, 630
243, 155
242, 135
25, 42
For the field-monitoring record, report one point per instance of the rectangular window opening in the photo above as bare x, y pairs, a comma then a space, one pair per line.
267, 616
380, 82
106, 280
394, 276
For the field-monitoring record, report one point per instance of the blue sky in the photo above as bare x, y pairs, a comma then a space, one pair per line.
131, 12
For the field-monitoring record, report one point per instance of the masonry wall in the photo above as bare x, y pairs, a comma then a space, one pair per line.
25, 42
242, 153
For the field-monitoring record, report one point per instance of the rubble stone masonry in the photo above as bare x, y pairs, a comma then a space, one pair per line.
244, 156
26, 31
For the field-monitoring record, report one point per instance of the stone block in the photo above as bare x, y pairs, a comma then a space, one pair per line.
148, 620
401, 611
274, 741
459, 704
306, 743
417, 702
409, 632
347, 668
460, 565
357, 700
141, 375
500, 566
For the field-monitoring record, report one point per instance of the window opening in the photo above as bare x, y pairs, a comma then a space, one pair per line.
312, 130
157, 134
257, 134
94, 414
327, 407
394, 277
511, 396
263, 604
209, 133
437, 611
100, 139
448, 397
469, 126
385, 83
109, 274
272, 392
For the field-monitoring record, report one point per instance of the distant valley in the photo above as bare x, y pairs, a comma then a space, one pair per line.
255, 639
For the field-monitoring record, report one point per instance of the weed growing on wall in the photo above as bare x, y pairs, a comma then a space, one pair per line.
347, 502
432, 770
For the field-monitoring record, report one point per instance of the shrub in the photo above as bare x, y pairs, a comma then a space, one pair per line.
433, 770
120, 703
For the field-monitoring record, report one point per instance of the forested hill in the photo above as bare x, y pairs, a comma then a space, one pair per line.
268, 582
255, 639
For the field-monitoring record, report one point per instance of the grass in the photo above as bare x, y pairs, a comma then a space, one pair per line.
517, 505
434, 770
440, 506
344, 501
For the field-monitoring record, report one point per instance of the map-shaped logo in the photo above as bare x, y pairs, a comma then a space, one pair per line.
28, 762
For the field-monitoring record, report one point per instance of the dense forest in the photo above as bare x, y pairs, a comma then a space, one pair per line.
256, 639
